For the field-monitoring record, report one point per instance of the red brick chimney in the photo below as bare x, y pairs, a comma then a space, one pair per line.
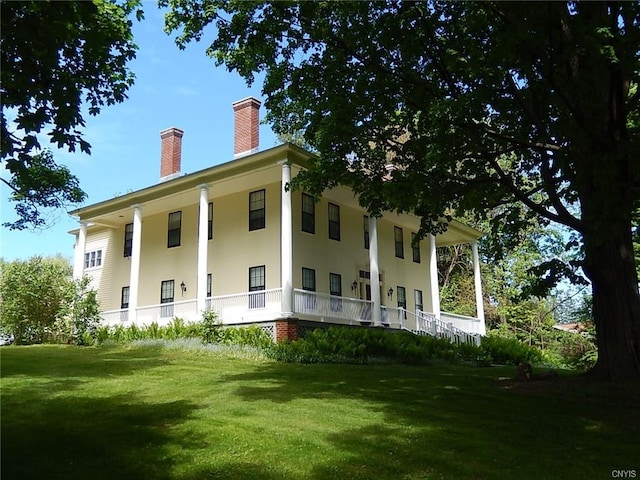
246, 123
171, 153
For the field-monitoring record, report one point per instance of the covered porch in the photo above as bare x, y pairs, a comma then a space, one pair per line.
266, 306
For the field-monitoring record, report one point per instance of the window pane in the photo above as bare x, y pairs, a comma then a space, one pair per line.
366, 231
417, 295
399, 242
124, 301
128, 239
98, 258
256, 278
173, 235
210, 222
309, 285
209, 283
335, 284
167, 291
402, 297
309, 279
308, 214
415, 247
334, 222
166, 296
86, 260
256, 210
256, 284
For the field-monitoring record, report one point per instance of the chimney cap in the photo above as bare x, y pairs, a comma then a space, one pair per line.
171, 131
245, 102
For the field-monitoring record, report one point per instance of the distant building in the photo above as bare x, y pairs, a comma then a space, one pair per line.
233, 239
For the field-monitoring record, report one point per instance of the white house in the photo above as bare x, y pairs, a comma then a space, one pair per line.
233, 239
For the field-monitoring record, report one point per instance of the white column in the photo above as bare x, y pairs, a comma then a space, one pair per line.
78, 260
477, 281
286, 243
134, 275
433, 276
374, 270
203, 247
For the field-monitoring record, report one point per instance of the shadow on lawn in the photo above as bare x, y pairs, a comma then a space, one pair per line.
447, 423
51, 431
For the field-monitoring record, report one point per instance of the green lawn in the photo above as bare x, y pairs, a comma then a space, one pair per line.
144, 413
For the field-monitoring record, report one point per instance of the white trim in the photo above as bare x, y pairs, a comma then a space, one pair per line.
81, 245
286, 243
374, 270
433, 276
203, 248
477, 283
134, 275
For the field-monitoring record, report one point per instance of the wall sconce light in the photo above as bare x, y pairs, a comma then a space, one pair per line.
354, 285
183, 287
390, 293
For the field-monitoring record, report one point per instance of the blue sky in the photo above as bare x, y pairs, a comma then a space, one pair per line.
173, 88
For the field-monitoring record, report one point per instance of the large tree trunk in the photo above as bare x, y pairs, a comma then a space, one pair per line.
610, 266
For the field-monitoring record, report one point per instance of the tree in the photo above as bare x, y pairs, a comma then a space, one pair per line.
530, 107
55, 57
40, 301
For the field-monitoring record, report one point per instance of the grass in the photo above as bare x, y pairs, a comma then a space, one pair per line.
159, 413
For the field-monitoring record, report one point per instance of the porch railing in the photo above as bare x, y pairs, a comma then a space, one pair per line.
247, 307
331, 307
164, 313
462, 322
429, 324
265, 305
161, 314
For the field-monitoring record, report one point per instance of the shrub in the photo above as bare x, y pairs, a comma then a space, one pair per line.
348, 345
509, 351
210, 327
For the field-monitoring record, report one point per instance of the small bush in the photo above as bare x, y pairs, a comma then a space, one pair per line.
349, 345
509, 351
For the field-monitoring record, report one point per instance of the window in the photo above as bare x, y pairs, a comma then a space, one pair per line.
366, 231
209, 284
210, 222
309, 285
175, 225
124, 298
308, 214
256, 210
93, 259
128, 239
335, 290
256, 284
124, 304
334, 222
397, 236
417, 296
167, 288
308, 279
402, 297
415, 247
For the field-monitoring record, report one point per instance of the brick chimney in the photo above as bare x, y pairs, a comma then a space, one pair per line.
171, 153
246, 123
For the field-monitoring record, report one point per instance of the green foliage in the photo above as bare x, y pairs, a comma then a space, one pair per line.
209, 331
57, 56
508, 351
85, 313
521, 113
210, 327
365, 345
42, 303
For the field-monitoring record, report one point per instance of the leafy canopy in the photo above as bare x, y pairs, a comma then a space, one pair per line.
57, 57
477, 104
